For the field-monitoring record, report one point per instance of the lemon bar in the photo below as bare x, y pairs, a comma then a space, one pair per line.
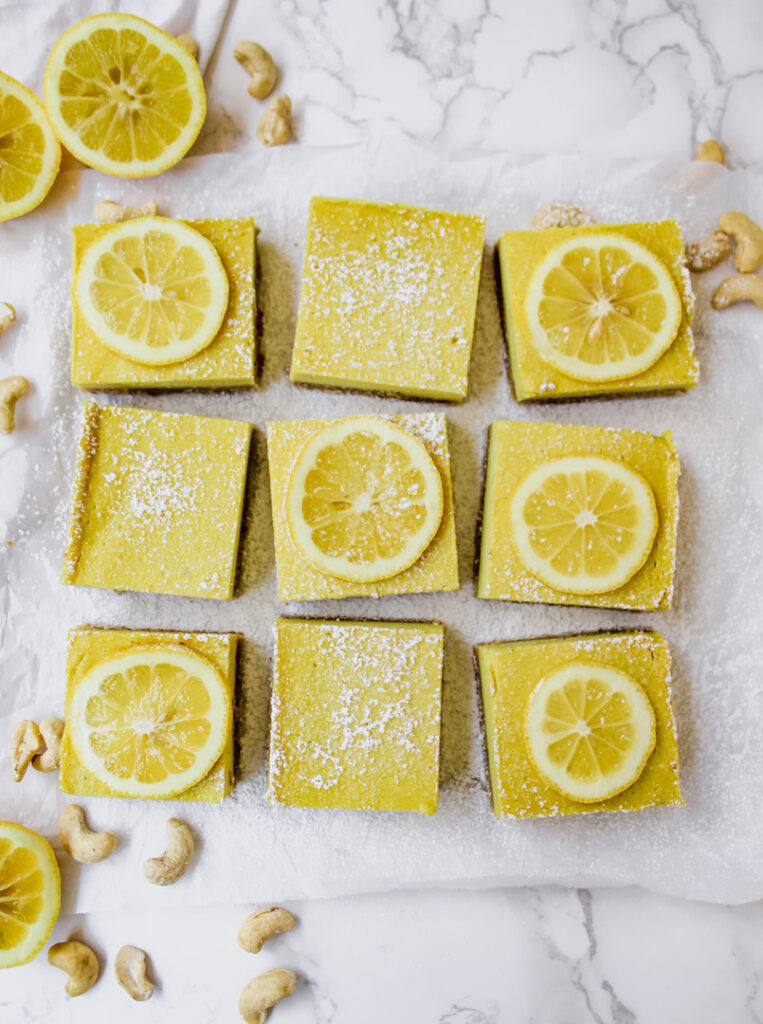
516, 451
89, 645
230, 361
298, 578
156, 502
510, 672
388, 299
355, 714
520, 257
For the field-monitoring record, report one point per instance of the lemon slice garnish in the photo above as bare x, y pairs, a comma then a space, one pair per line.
589, 730
364, 500
151, 722
30, 894
602, 307
123, 96
584, 524
153, 289
29, 151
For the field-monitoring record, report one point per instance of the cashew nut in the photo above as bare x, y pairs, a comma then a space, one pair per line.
710, 150
7, 316
274, 127
261, 926
85, 846
171, 866
11, 390
26, 741
79, 962
189, 43
109, 212
560, 215
130, 967
739, 288
257, 61
702, 256
51, 730
263, 992
748, 237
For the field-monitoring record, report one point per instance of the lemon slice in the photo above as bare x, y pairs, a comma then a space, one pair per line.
589, 730
152, 722
602, 307
364, 499
30, 894
29, 151
153, 289
584, 524
124, 96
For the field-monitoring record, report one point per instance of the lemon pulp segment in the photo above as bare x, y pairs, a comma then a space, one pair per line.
30, 893
29, 151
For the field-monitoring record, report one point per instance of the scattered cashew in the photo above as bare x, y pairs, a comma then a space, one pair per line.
26, 741
11, 390
51, 730
257, 61
130, 967
109, 212
739, 288
79, 962
7, 316
171, 866
748, 237
560, 215
713, 250
261, 926
263, 992
189, 43
274, 127
710, 150
84, 845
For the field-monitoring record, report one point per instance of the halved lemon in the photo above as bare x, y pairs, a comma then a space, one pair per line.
589, 730
124, 96
364, 500
584, 524
30, 893
150, 722
29, 151
602, 307
153, 289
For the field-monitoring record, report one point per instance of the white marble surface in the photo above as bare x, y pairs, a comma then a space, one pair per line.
464, 77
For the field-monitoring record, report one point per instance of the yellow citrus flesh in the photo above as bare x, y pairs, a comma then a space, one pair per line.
29, 151
123, 96
30, 893
153, 289
589, 730
602, 307
364, 500
151, 722
584, 524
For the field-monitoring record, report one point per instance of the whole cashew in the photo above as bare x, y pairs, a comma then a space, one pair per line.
262, 925
109, 212
189, 43
710, 150
171, 866
11, 390
560, 215
26, 741
748, 237
7, 316
257, 61
79, 962
739, 288
274, 127
701, 256
263, 992
51, 730
130, 967
77, 839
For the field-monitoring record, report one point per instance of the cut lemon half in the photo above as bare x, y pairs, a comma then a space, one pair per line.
152, 722
364, 499
30, 893
584, 524
123, 96
29, 151
589, 730
602, 307
153, 289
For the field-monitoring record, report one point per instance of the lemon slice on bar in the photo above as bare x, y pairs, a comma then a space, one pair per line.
589, 730
154, 290
602, 307
30, 893
584, 524
151, 722
29, 151
364, 500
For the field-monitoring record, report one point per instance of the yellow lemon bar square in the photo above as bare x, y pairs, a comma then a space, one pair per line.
156, 502
515, 449
298, 579
388, 299
89, 645
355, 714
508, 674
521, 252
230, 361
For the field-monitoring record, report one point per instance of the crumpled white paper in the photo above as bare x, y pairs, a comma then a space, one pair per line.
250, 851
